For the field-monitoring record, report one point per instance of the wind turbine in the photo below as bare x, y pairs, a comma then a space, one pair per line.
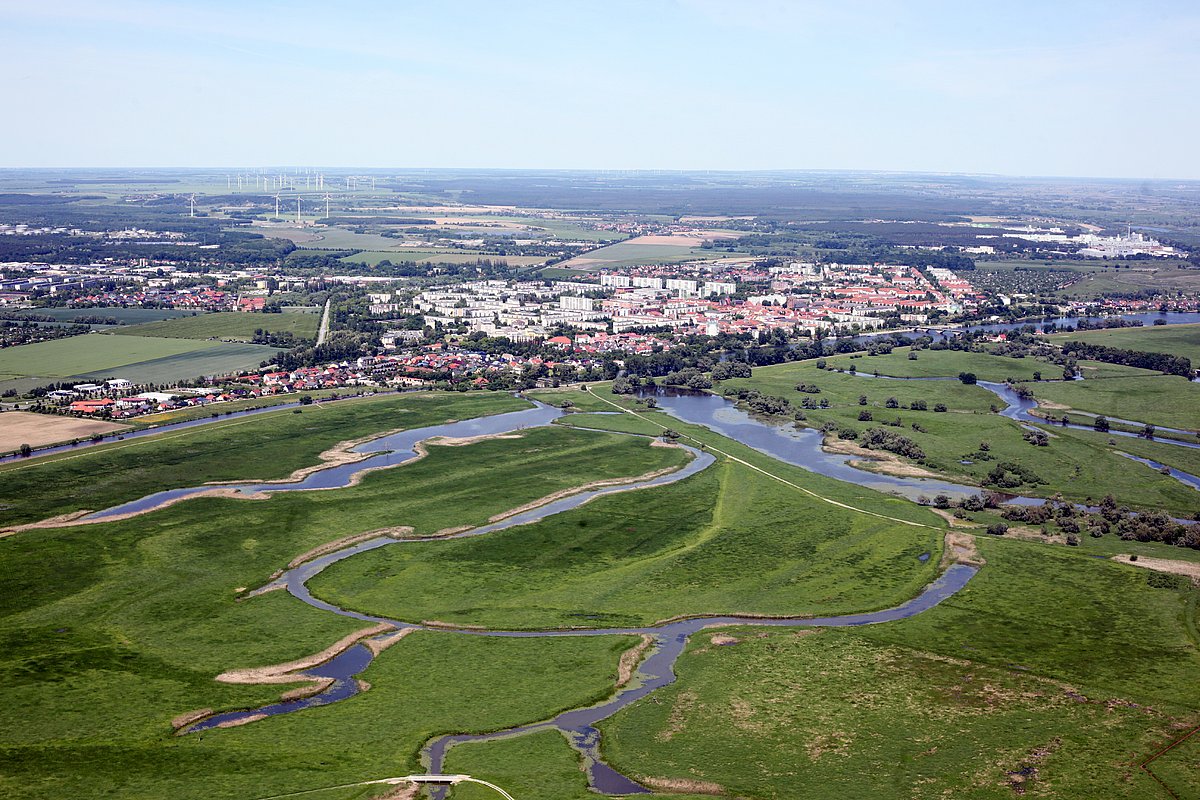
276, 206
192, 200
297, 210
327, 205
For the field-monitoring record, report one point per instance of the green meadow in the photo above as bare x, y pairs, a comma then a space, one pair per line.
141, 359
1177, 340
1053, 673
227, 325
1167, 400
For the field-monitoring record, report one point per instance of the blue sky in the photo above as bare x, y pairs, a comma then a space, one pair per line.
1018, 88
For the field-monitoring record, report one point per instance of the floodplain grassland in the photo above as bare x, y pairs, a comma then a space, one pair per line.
1176, 340
1051, 672
227, 325
1167, 400
1082, 470
931, 363
727, 540
538, 765
266, 446
131, 620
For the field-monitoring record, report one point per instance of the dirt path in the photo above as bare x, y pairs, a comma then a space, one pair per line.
1188, 569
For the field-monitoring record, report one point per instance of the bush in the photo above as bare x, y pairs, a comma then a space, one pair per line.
891, 402
865, 416
967, 377
997, 529
730, 369
849, 434
939, 407
918, 405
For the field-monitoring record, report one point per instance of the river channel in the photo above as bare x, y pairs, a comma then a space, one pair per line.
801, 447
577, 725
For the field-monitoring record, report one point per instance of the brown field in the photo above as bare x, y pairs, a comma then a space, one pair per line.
24, 427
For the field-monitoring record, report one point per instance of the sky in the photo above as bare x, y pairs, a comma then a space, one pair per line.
1049, 88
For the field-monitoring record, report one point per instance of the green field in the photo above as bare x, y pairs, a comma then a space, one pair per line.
263, 446
1081, 469
1052, 672
1162, 400
626, 254
141, 359
1177, 340
126, 316
373, 257
727, 540
930, 363
228, 325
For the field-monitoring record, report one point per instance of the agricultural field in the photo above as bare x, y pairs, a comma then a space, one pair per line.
228, 325
645, 250
36, 430
1176, 340
141, 359
124, 316
447, 256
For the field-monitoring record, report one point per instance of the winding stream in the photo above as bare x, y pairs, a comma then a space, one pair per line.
668, 640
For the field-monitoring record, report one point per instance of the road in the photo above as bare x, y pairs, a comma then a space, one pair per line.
323, 331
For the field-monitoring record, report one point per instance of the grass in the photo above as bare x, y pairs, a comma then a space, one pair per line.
228, 325
930, 363
144, 615
91, 354
1081, 469
728, 539
141, 359
1056, 612
1051, 665
538, 765
266, 446
374, 257
1177, 340
126, 316
839, 714
1162, 400
624, 254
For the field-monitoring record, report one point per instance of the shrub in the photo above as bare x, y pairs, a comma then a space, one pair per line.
997, 529
864, 416
939, 407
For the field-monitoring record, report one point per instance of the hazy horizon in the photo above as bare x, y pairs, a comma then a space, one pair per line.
1077, 90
